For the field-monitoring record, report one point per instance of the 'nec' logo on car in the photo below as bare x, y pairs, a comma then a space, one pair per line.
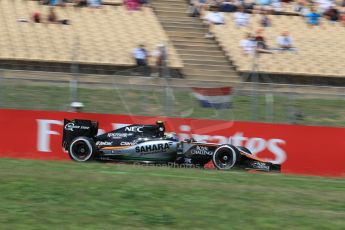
134, 129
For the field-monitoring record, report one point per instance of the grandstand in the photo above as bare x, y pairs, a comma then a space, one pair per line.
318, 57
101, 41
95, 37
319, 49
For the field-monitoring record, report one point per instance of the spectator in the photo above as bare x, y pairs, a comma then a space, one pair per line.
161, 57
241, 18
332, 14
277, 6
140, 54
342, 19
144, 2
227, 6
214, 17
263, 2
52, 17
313, 18
301, 8
248, 44
36, 17
193, 11
298, 6
324, 5
200, 6
94, 3
53, 2
263, 6
260, 40
265, 21
80, 3
285, 42
213, 3
132, 4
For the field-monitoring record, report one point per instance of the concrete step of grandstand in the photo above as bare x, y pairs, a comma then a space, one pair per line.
190, 37
186, 33
178, 40
201, 52
202, 30
205, 61
193, 69
171, 12
179, 7
183, 24
181, 20
197, 46
169, 4
208, 68
203, 58
187, 57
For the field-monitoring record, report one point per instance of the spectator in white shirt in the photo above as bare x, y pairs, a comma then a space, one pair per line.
324, 5
248, 44
214, 17
161, 55
141, 55
285, 42
241, 18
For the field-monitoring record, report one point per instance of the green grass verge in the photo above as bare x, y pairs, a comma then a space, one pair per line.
67, 195
182, 104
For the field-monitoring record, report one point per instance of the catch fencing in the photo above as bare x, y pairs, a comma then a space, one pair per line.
154, 96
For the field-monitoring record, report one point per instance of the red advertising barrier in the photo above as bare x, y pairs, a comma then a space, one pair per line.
300, 149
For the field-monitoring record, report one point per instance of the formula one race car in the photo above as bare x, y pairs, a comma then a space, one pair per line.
150, 143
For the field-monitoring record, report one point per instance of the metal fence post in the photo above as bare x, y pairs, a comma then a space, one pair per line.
2, 88
166, 77
291, 108
269, 106
255, 79
74, 71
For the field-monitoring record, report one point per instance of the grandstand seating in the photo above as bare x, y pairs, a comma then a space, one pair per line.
320, 49
112, 2
103, 36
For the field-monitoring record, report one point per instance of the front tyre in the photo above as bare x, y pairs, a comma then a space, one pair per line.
225, 157
82, 149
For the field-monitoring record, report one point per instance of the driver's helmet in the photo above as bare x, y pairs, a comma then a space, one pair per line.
160, 128
171, 136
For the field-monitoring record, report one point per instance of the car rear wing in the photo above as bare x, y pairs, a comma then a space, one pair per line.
77, 128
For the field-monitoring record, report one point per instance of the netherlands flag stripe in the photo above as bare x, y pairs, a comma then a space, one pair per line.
218, 98
221, 91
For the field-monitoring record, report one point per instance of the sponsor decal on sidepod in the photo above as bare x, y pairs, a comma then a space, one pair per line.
152, 148
103, 143
201, 150
124, 143
119, 135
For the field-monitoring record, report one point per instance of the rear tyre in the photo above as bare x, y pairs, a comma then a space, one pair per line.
225, 157
82, 149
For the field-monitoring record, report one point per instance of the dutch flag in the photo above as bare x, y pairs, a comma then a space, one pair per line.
218, 98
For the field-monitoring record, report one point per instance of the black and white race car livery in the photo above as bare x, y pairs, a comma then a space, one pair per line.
150, 143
